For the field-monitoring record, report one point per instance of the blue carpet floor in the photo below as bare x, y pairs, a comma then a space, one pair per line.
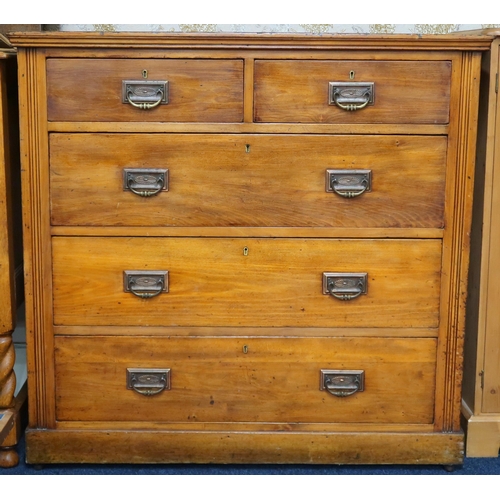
471, 466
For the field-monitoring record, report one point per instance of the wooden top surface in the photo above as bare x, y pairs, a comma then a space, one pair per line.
6, 49
457, 41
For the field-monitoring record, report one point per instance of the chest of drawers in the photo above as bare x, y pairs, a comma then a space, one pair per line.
247, 248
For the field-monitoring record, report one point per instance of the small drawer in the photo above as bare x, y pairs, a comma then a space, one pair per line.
145, 90
239, 282
358, 91
191, 380
247, 180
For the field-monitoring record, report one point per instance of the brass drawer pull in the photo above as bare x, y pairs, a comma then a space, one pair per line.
145, 182
351, 96
348, 183
345, 286
148, 382
144, 94
144, 105
145, 284
342, 383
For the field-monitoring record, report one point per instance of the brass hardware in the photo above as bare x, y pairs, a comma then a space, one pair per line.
144, 105
351, 75
481, 375
351, 96
144, 73
348, 183
342, 383
148, 382
245, 251
247, 148
145, 284
345, 286
145, 182
245, 349
144, 95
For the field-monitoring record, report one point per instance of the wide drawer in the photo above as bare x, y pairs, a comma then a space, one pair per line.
245, 380
413, 92
245, 282
198, 90
247, 180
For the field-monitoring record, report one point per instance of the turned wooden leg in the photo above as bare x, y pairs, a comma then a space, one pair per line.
8, 457
7, 375
8, 454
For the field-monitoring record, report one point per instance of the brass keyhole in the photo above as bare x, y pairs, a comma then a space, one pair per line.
245, 349
144, 73
247, 148
245, 251
351, 75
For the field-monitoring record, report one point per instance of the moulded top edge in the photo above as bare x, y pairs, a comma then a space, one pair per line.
5, 45
455, 41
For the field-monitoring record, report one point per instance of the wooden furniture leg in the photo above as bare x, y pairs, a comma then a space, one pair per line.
10, 251
11, 428
8, 455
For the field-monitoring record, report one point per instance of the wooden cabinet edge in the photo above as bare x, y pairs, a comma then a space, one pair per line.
243, 447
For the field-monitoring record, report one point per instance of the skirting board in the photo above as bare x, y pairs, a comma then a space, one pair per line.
482, 434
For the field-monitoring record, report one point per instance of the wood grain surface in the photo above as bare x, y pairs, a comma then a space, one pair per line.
246, 128
279, 282
213, 380
91, 90
128, 446
405, 91
247, 180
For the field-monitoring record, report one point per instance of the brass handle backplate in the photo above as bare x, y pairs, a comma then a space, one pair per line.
342, 383
145, 182
348, 183
345, 286
145, 94
145, 284
351, 96
149, 381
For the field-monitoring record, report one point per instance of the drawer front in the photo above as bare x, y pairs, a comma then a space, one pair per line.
249, 180
199, 90
246, 282
244, 380
413, 92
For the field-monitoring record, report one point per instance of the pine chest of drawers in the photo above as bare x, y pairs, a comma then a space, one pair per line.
246, 248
